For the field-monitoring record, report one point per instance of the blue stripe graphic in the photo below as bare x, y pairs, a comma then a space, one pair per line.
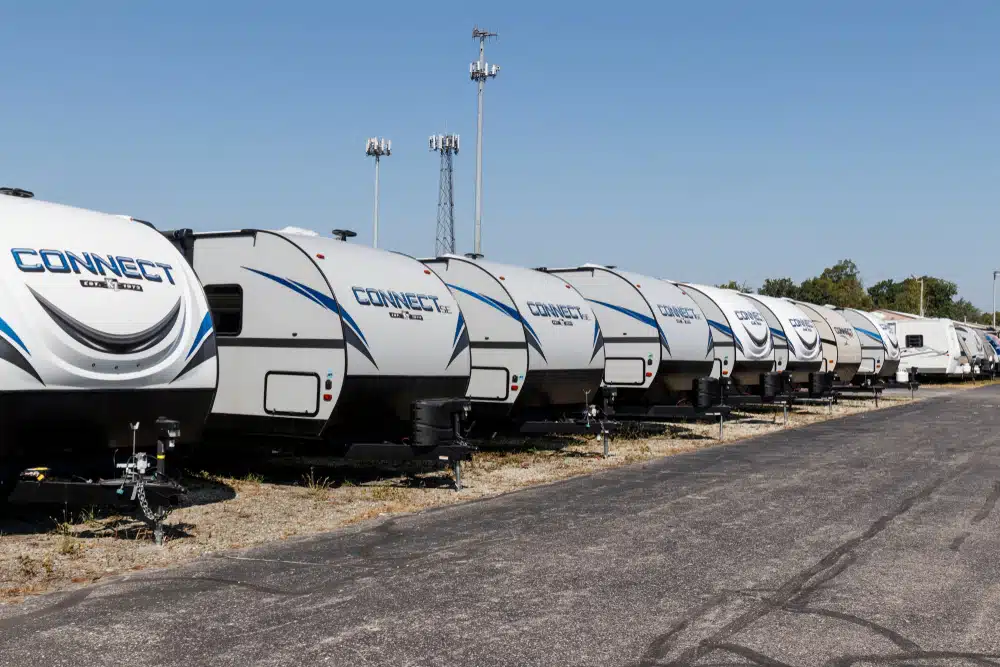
872, 334
502, 307
315, 296
203, 330
778, 332
645, 319
458, 328
5, 328
506, 310
722, 328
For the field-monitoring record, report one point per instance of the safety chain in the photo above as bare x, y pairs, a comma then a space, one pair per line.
140, 494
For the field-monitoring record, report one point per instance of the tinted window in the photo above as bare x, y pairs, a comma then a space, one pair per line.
226, 304
915, 341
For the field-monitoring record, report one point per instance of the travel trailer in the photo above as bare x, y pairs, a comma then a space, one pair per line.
657, 342
537, 348
992, 360
104, 326
931, 345
323, 339
973, 346
796, 339
873, 345
741, 336
891, 341
841, 347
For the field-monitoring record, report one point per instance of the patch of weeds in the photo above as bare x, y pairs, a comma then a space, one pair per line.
205, 476
47, 565
381, 493
89, 515
318, 487
252, 478
70, 546
29, 568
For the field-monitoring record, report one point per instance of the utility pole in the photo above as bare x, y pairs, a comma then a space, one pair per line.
921, 297
444, 238
995, 300
377, 148
479, 71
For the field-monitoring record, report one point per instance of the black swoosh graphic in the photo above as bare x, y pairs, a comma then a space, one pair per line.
108, 342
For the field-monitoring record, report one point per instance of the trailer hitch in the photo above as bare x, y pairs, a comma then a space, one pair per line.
136, 472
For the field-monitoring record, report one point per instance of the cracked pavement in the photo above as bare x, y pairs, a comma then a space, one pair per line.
872, 539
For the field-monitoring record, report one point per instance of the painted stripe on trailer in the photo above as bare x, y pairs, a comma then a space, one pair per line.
497, 345
358, 339
533, 339
631, 339
871, 334
203, 330
9, 332
645, 319
313, 343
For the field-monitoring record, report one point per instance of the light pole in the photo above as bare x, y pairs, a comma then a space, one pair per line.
479, 71
995, 300
377, 148
921, 297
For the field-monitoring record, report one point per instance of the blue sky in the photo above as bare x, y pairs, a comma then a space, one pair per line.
698, 141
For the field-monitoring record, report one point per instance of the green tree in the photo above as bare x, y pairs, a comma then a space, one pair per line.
839, 285
779, 287
963, 311
739, 287
885, 294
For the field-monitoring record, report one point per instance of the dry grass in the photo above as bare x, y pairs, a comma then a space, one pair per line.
225, 511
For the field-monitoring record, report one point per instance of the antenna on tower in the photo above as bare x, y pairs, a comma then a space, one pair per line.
444, 239
480, 71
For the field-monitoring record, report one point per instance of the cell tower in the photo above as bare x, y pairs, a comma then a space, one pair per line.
377, 148
480, 71
444, 239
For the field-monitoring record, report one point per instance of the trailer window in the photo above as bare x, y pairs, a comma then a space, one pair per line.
915, 341
226, 304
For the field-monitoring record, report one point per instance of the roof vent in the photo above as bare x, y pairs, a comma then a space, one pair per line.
298, 230
344, 234
474, 255
17, 192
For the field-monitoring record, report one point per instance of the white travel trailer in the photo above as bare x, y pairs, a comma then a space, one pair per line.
891, 341
930, 345
796, 339
873, 345
657, 341
972, 344
103, 325
841, 346
994, 343
742, 339
537, 349
990, 356
319, 338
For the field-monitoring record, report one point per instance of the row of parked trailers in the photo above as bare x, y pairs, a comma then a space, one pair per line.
943, 348
111, 328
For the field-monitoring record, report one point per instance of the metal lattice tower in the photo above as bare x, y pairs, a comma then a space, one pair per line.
444, 239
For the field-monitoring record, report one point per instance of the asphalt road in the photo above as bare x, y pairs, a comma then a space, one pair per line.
870, 540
